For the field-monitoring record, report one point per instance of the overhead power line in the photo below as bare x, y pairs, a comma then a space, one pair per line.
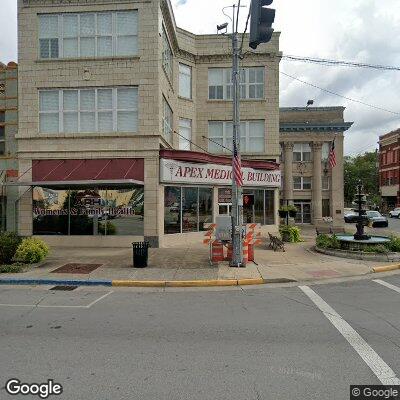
337, 94
337, 63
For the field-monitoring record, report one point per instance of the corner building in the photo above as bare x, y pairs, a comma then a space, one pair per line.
125, 125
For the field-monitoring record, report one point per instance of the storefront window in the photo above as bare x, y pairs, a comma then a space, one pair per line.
172, 210
3, 213
269, 207
102, 211
259, 206
205, 208
187, 209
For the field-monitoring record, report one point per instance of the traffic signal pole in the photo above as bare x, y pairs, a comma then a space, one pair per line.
237, 191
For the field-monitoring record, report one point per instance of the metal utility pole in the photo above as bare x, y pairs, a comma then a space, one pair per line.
237, 191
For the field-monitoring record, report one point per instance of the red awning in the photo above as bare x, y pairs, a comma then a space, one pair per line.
194, 156
96, 170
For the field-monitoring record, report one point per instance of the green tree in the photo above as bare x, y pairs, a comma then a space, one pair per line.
363, 167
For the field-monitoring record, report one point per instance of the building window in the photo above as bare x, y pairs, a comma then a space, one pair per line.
252, 136
301, 152
167, 55
2, 140
185, 132
325, 183
167, 121
88, 211
104, 34
302, 182
185, 81
251, 83
187, 209
2, 116
88, 110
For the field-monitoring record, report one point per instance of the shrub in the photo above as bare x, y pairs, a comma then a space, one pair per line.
327, 242
111, 229
9, 243
11, 269
379, 249
32, 250
394, 244
291, 232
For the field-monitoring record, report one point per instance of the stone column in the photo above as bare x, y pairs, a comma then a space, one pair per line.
317, 182
288, 171
337, 184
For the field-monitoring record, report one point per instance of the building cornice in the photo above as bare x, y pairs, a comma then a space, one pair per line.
78, 2
312, 127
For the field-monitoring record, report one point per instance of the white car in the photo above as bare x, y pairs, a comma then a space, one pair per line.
395, 213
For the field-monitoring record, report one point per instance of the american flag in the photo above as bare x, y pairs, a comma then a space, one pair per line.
332, 155
237, 166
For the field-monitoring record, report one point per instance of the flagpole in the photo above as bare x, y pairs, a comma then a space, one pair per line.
237, 183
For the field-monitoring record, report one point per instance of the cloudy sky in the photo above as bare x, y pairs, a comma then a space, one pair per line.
357, 30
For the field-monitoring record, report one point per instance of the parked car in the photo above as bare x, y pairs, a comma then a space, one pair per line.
395, 213
350, 216
377, 219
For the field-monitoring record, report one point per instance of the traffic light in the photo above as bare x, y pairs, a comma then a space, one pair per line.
261, 22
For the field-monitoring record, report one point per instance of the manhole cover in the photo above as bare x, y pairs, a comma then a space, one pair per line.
61, 287
75, 268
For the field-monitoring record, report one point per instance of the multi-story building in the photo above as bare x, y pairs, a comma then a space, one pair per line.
125, 124
8, 131
309, 182
389, 169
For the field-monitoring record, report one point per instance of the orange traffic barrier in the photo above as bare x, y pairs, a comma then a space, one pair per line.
251, 252
229, 252
217, 251
245, 252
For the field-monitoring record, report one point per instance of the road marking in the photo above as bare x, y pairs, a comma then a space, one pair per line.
388, 285
382, 371
53, 306
100, 298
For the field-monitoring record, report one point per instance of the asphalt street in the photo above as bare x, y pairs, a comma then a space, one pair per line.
292, 342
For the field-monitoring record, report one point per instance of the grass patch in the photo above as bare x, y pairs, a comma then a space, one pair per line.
11, 268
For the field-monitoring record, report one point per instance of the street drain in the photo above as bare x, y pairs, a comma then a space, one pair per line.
62, 287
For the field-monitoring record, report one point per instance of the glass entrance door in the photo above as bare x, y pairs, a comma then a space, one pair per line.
303, 215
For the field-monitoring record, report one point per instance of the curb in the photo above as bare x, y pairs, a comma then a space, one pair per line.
135, 283
386, 268
68, 282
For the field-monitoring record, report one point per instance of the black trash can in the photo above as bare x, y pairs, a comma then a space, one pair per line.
140, 254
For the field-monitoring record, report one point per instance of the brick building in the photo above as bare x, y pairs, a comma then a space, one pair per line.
389, 169
8, 131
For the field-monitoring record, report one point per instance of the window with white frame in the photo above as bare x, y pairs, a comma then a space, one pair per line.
167, 121
325, 183
88, 110
252, 136
74, 35
325, 151
251, 83
302, 182
301, 152
185, 132
185, 81
166, 55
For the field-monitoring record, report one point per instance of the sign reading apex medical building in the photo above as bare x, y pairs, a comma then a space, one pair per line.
173, 171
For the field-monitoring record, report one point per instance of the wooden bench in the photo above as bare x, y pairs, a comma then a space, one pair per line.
275, 243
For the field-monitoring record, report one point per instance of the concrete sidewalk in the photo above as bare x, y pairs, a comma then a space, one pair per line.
298, 263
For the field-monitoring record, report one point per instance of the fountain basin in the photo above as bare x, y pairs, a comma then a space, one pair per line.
348, 242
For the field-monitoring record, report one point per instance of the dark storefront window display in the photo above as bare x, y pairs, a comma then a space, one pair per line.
3, 212
187, 209
88, 211
260, 210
